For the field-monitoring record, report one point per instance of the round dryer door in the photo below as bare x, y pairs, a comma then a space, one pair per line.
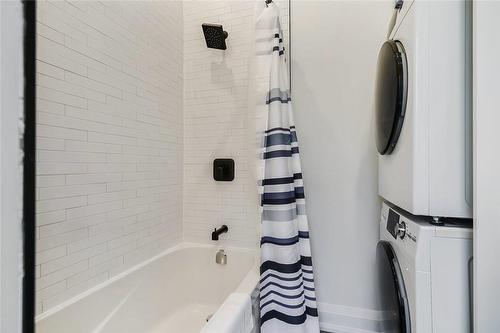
390, 95
392, 291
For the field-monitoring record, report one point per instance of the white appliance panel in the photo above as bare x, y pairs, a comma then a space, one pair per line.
427, 173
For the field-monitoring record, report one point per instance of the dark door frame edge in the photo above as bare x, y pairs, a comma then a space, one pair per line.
29, 166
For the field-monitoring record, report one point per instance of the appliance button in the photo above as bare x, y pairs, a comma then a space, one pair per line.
401, 229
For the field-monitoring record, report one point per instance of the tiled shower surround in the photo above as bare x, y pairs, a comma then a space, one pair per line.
217, 123
110, 140
132, 108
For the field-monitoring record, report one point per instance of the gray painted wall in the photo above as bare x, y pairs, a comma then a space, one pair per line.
10, 176
334, 48
486, 165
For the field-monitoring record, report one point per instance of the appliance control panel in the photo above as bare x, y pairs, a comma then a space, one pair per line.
395, 225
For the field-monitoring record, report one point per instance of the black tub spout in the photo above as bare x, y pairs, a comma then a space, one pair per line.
217, 232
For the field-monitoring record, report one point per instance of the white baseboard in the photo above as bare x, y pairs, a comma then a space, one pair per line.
345, 319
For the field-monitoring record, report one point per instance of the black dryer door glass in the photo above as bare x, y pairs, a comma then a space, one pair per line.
392, 291
390, 95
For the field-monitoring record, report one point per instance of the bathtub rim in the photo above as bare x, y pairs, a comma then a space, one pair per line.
246, 285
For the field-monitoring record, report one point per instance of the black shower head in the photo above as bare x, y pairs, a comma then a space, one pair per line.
215, 36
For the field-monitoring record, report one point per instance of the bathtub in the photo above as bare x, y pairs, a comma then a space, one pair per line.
174, 292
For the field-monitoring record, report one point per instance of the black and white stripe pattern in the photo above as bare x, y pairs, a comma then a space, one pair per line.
287, 296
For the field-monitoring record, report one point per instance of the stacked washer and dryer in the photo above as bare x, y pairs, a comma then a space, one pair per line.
423, 136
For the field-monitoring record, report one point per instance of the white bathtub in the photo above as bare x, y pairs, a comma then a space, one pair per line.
174, 292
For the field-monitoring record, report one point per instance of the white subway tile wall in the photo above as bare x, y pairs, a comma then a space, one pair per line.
217, 123
132, 109
110, 140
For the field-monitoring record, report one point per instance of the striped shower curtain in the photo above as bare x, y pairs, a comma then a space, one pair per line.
287, 296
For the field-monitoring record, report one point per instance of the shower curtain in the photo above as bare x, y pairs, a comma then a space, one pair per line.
287, 296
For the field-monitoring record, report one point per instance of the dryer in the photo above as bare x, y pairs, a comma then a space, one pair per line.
422, 110
424, 274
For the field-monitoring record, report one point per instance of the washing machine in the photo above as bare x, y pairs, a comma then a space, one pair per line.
422, 110
425, 274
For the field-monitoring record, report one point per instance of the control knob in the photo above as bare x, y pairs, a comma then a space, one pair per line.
400, 229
